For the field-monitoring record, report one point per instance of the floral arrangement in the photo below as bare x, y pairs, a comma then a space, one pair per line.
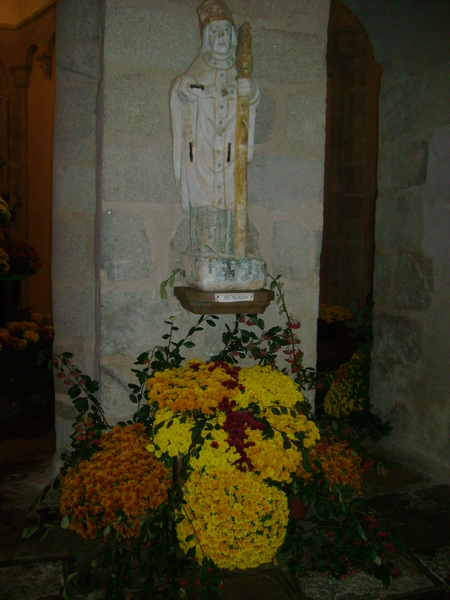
121, 479
338, 462
234, 517
201, 475
237, 405
22, 334
5, 213
349, 391
4, 262
23, 259
334, 314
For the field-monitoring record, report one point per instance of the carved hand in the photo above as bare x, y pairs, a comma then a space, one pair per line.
246, 88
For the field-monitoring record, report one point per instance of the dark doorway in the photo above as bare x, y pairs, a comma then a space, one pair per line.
350, 176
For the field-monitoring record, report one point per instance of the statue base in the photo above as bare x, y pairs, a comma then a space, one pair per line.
223, 274
223, 303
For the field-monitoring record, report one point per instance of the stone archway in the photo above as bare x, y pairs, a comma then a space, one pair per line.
350, 163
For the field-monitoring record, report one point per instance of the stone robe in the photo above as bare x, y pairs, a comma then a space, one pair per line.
204, 129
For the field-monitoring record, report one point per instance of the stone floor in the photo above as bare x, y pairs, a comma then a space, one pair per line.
413, 500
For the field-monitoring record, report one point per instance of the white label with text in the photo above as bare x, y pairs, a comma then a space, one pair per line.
247, 297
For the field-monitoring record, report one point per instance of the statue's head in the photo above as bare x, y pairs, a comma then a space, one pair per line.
217, 29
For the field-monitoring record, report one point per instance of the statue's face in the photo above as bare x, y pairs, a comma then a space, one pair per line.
220, 39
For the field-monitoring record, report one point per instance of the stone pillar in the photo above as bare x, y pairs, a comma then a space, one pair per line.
75, 160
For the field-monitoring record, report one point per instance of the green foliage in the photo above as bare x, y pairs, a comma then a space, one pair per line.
361, 329
168, 282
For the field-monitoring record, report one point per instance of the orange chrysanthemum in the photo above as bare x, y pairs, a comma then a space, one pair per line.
121, 476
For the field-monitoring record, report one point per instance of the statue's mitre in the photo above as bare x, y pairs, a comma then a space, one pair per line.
213, 10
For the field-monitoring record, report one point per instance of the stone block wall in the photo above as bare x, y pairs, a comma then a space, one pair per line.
77, 126
410, 379
115, 187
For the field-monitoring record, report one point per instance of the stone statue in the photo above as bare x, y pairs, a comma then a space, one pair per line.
204, 102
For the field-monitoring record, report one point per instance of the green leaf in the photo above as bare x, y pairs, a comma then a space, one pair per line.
286, 444
74, 391
65, 522
189, 344
275, 411
373, 556
307, 465
41, 357
107, 530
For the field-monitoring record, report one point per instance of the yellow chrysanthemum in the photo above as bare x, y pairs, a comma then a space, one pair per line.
31, 336
238, 520
334, 314
266, 386
349, 392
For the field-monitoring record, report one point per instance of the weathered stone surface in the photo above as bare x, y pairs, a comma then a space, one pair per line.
403, 163
415, 105
133, 173
125, 248
70, 249
133, 322
265, 117
305, 121
437, 185
75, 116
413, 281
73, 188
398, 339
79, 19
318, 246
217, 274
129, 104
399, 218
66, 410
312, 16
31, 581
180, 241
283, 182
284, 57
140, 37
384, 264
74, 310
381, 386
78, 56
64, 431
115, 375
291, 250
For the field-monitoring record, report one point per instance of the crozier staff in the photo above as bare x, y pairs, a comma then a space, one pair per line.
203, 111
